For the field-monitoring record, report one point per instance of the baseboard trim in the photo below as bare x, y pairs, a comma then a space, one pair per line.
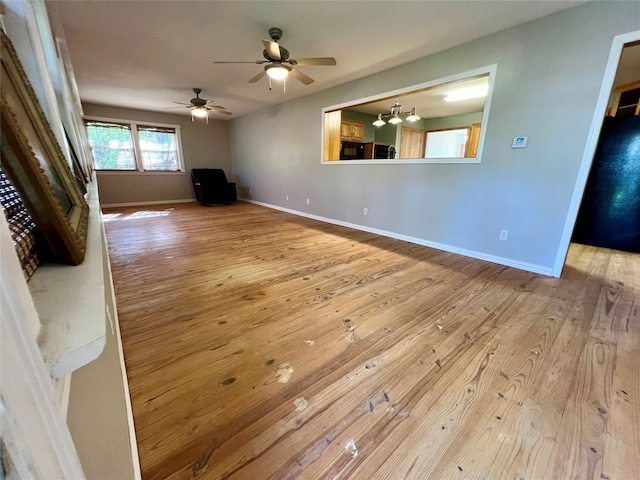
141, 204
508, 262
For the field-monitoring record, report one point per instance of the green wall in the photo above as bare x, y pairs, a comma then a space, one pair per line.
385, 134
453, 121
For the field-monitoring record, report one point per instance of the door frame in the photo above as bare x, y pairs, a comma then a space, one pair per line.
618, 43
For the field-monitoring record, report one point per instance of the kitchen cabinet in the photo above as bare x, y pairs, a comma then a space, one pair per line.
352, 131
627, 100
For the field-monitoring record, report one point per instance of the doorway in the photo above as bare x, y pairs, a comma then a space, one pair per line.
609, 214
619, 43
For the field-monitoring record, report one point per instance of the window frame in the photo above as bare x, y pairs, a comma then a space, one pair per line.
137, 152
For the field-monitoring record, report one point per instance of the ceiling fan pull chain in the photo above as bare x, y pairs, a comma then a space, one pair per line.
269, 83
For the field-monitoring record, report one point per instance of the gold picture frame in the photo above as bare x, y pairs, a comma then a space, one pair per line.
36, 165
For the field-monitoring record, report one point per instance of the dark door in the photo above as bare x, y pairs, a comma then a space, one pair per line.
609, 214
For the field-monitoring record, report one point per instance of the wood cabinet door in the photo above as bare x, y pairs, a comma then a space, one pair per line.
350, 130
345, 130
357, 132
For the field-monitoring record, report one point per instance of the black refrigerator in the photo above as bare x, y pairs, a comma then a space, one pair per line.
609, 214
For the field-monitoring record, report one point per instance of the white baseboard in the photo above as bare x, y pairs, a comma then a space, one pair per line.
508, 262
141, 204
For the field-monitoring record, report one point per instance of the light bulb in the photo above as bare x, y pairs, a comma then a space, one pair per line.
199, 112
379, 122
277, 72
413, 116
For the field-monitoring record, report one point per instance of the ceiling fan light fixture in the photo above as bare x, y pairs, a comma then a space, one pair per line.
277, 72
379, 122
199, 112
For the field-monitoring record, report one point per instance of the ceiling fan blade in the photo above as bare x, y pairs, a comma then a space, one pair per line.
257, 77
215, 107
298, 75
182, 103
272, 48
259, 62
314, 61
222, 112
168, 108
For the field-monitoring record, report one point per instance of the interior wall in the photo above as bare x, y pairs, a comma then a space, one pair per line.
549, 72
203, 146
453, 121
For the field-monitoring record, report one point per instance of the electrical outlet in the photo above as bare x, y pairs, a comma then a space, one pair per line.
307, 201
287, 197
504, 234
365, 211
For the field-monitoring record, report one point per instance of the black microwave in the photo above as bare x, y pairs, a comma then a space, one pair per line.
351, 151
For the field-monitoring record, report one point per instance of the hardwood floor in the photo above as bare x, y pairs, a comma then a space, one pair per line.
262, 345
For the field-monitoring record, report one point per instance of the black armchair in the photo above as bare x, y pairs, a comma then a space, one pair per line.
211, 187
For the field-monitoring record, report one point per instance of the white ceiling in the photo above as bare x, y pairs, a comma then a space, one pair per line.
629, 65
430, 103
148, 54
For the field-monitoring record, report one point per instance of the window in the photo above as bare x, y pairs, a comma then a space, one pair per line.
158, 148
457, 102
447, 143
133, 146
111, 146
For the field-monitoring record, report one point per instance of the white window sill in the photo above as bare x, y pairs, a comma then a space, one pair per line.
70, 301
100, 173
402, 161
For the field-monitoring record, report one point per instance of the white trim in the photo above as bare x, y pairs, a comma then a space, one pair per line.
590, 147
508, 262
108, 173
112, 313
34, 433
62, 387
402, 161
142, 204
491, 69
488, 69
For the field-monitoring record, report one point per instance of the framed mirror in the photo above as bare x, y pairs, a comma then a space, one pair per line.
441, 121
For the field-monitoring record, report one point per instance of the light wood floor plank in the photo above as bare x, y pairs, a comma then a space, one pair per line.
263, 345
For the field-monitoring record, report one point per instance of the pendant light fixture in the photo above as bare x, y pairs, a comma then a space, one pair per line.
395, 115
379, 122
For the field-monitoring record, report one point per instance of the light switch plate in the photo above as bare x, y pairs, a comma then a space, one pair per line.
519, 142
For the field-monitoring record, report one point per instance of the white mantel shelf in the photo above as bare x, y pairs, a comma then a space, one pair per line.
70, 301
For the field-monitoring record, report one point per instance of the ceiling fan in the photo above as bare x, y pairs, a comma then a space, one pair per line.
201, 107
279, 64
